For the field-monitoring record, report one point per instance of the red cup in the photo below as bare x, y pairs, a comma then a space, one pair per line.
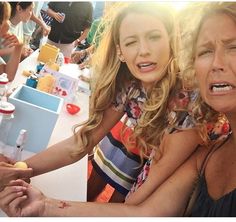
72, 108
67, 60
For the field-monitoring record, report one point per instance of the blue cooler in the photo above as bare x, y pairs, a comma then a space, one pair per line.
37, 112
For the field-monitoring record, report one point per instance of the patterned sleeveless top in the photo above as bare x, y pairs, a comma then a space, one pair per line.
179, 112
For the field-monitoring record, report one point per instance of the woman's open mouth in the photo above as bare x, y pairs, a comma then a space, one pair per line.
221, 87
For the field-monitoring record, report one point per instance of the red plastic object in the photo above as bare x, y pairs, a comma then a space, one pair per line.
67, 60
72, 108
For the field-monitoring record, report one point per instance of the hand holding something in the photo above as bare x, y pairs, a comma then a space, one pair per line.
78, 56
46, 30
83, 65
26, 51
22, 199
10, 40
8, 172
58, 16
5, 159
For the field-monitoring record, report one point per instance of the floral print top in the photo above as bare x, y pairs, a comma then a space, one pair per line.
131, 100
180, 108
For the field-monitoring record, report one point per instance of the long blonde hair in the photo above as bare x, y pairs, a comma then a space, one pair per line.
5, 11
111, 75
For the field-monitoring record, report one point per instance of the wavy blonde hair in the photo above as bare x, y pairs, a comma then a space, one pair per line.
195, 15
153, 122
111, 75
5, 11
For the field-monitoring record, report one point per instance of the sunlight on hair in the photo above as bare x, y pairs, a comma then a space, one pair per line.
178, 5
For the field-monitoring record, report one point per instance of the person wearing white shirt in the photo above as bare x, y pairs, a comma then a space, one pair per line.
20, 12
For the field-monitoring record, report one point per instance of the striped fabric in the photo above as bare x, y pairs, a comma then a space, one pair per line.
118, 166
46, 18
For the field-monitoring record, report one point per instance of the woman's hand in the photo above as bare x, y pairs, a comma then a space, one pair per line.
5, 159
58, 16
22, 199
8, 172
78, 56
26, 51
10, 40
46, 30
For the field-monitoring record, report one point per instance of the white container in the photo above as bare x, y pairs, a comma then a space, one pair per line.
3, 85
6, 119
37, 112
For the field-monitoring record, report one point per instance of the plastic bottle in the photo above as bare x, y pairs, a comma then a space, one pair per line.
43, 41
64, 15
3, 85
6, 117
20, 142
60, 59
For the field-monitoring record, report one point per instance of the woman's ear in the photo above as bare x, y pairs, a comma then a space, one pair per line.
119, 54
18, 8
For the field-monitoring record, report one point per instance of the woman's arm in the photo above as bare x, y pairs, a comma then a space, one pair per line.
175, 149
6, 51
13, 47
13, 62
169, 199
55, 15
40, 22
82, 37
59, 155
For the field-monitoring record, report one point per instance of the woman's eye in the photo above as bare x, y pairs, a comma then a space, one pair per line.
130, 43
232, 47
204, 52
154, 37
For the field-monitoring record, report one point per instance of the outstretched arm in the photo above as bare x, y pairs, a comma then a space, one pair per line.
174, 150
59, 155
170, 199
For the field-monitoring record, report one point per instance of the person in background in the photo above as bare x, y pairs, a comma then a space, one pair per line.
70, 25
21, 12
46, 18
38, 37
98, 8
83, 57
29, 27
8, 40
212, 167
7, 171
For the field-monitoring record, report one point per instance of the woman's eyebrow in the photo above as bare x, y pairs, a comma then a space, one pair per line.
134, 36
228, 41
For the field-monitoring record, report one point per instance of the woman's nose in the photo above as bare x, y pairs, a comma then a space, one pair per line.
144, 48
218, 63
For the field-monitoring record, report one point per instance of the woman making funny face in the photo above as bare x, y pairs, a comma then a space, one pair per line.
146, 50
